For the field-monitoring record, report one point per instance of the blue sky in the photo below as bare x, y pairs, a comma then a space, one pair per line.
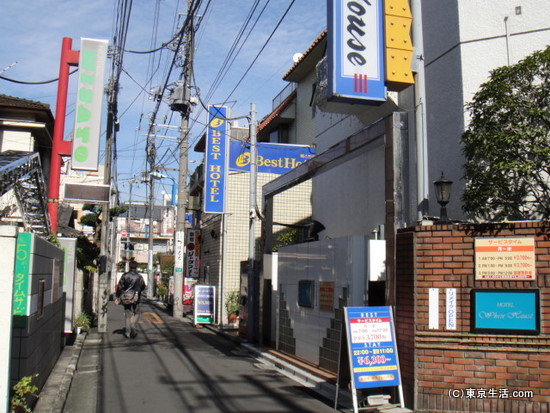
32, 32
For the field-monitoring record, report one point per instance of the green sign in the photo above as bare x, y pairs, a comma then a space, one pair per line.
91, 68
22, 271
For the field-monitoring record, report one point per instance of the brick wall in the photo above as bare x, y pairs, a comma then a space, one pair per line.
457, 369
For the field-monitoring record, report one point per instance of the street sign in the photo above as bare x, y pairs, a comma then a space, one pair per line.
124, 233
96, 193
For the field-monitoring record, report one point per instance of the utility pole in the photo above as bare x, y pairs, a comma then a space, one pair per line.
128, 217
151, 234
252, 290
104, 251
180, 101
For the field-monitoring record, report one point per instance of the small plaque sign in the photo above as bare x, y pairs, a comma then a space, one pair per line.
505, 259
326, 295
505, 311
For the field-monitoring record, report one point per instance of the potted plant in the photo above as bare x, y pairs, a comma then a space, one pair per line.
232, 305
162, 291
24, 393
82, 322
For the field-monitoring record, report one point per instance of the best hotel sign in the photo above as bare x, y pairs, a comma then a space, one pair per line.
216, 159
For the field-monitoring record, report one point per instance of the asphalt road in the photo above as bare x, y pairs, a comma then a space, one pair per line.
171, 366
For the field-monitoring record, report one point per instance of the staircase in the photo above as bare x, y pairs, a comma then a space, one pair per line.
21, 172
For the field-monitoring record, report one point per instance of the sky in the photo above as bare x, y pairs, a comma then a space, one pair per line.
32, 32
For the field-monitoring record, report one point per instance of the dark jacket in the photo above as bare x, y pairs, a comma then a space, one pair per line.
130, 280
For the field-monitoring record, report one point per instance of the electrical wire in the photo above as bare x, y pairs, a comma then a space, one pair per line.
42, 82
218, 78
122, 21
253, 62
261, 50
188, 24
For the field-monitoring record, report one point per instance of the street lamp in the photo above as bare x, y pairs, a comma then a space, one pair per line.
152, 176
158, 175
443, 194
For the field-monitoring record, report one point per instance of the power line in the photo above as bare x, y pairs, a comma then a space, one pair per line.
261, 50
218, 78
42, 82
254, 61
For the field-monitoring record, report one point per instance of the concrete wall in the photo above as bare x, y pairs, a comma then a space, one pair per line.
37, 339
349, 199
438, 365
8, 238
304, 123
463, 42
313, 333
72, 283
223, 253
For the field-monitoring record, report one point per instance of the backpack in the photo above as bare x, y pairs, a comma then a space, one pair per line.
129, 297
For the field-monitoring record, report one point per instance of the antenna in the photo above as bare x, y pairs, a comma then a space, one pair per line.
8, 67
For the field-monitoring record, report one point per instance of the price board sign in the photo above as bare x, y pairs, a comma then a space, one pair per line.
507, 258
371, 347
205, 304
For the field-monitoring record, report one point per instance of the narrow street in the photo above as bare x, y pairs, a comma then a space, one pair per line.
173, 366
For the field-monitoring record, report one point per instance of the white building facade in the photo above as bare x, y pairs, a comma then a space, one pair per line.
375, 165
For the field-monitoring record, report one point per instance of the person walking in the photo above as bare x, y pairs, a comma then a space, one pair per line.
128, 293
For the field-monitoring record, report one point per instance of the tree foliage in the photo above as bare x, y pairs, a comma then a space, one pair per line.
116, 211
506, 145
87, 254
90, 220
289, 236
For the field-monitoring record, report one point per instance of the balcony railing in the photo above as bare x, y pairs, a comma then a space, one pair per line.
283, 94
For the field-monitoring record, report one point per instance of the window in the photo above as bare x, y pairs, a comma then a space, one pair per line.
305, 293
41, 290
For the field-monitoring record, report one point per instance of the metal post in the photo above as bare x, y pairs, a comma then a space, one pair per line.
59, 146
151, 234
423, 186
252, 293
184, 108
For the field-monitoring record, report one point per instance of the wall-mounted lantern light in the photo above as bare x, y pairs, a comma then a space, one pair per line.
443, 195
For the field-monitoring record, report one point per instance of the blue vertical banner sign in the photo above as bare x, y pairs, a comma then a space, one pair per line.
215, 160
372, 347
355, 55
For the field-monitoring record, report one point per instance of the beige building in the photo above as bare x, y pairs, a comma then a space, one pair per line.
224, 244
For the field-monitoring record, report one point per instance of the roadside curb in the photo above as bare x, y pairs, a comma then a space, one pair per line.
54, 393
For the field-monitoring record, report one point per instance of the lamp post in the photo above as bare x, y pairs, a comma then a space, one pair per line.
150, 272
443, 194
158, 175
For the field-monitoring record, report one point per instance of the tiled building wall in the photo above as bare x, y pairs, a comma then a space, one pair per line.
225, 260
341, 264
287, 342
37, 339
329, 353
458, 370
